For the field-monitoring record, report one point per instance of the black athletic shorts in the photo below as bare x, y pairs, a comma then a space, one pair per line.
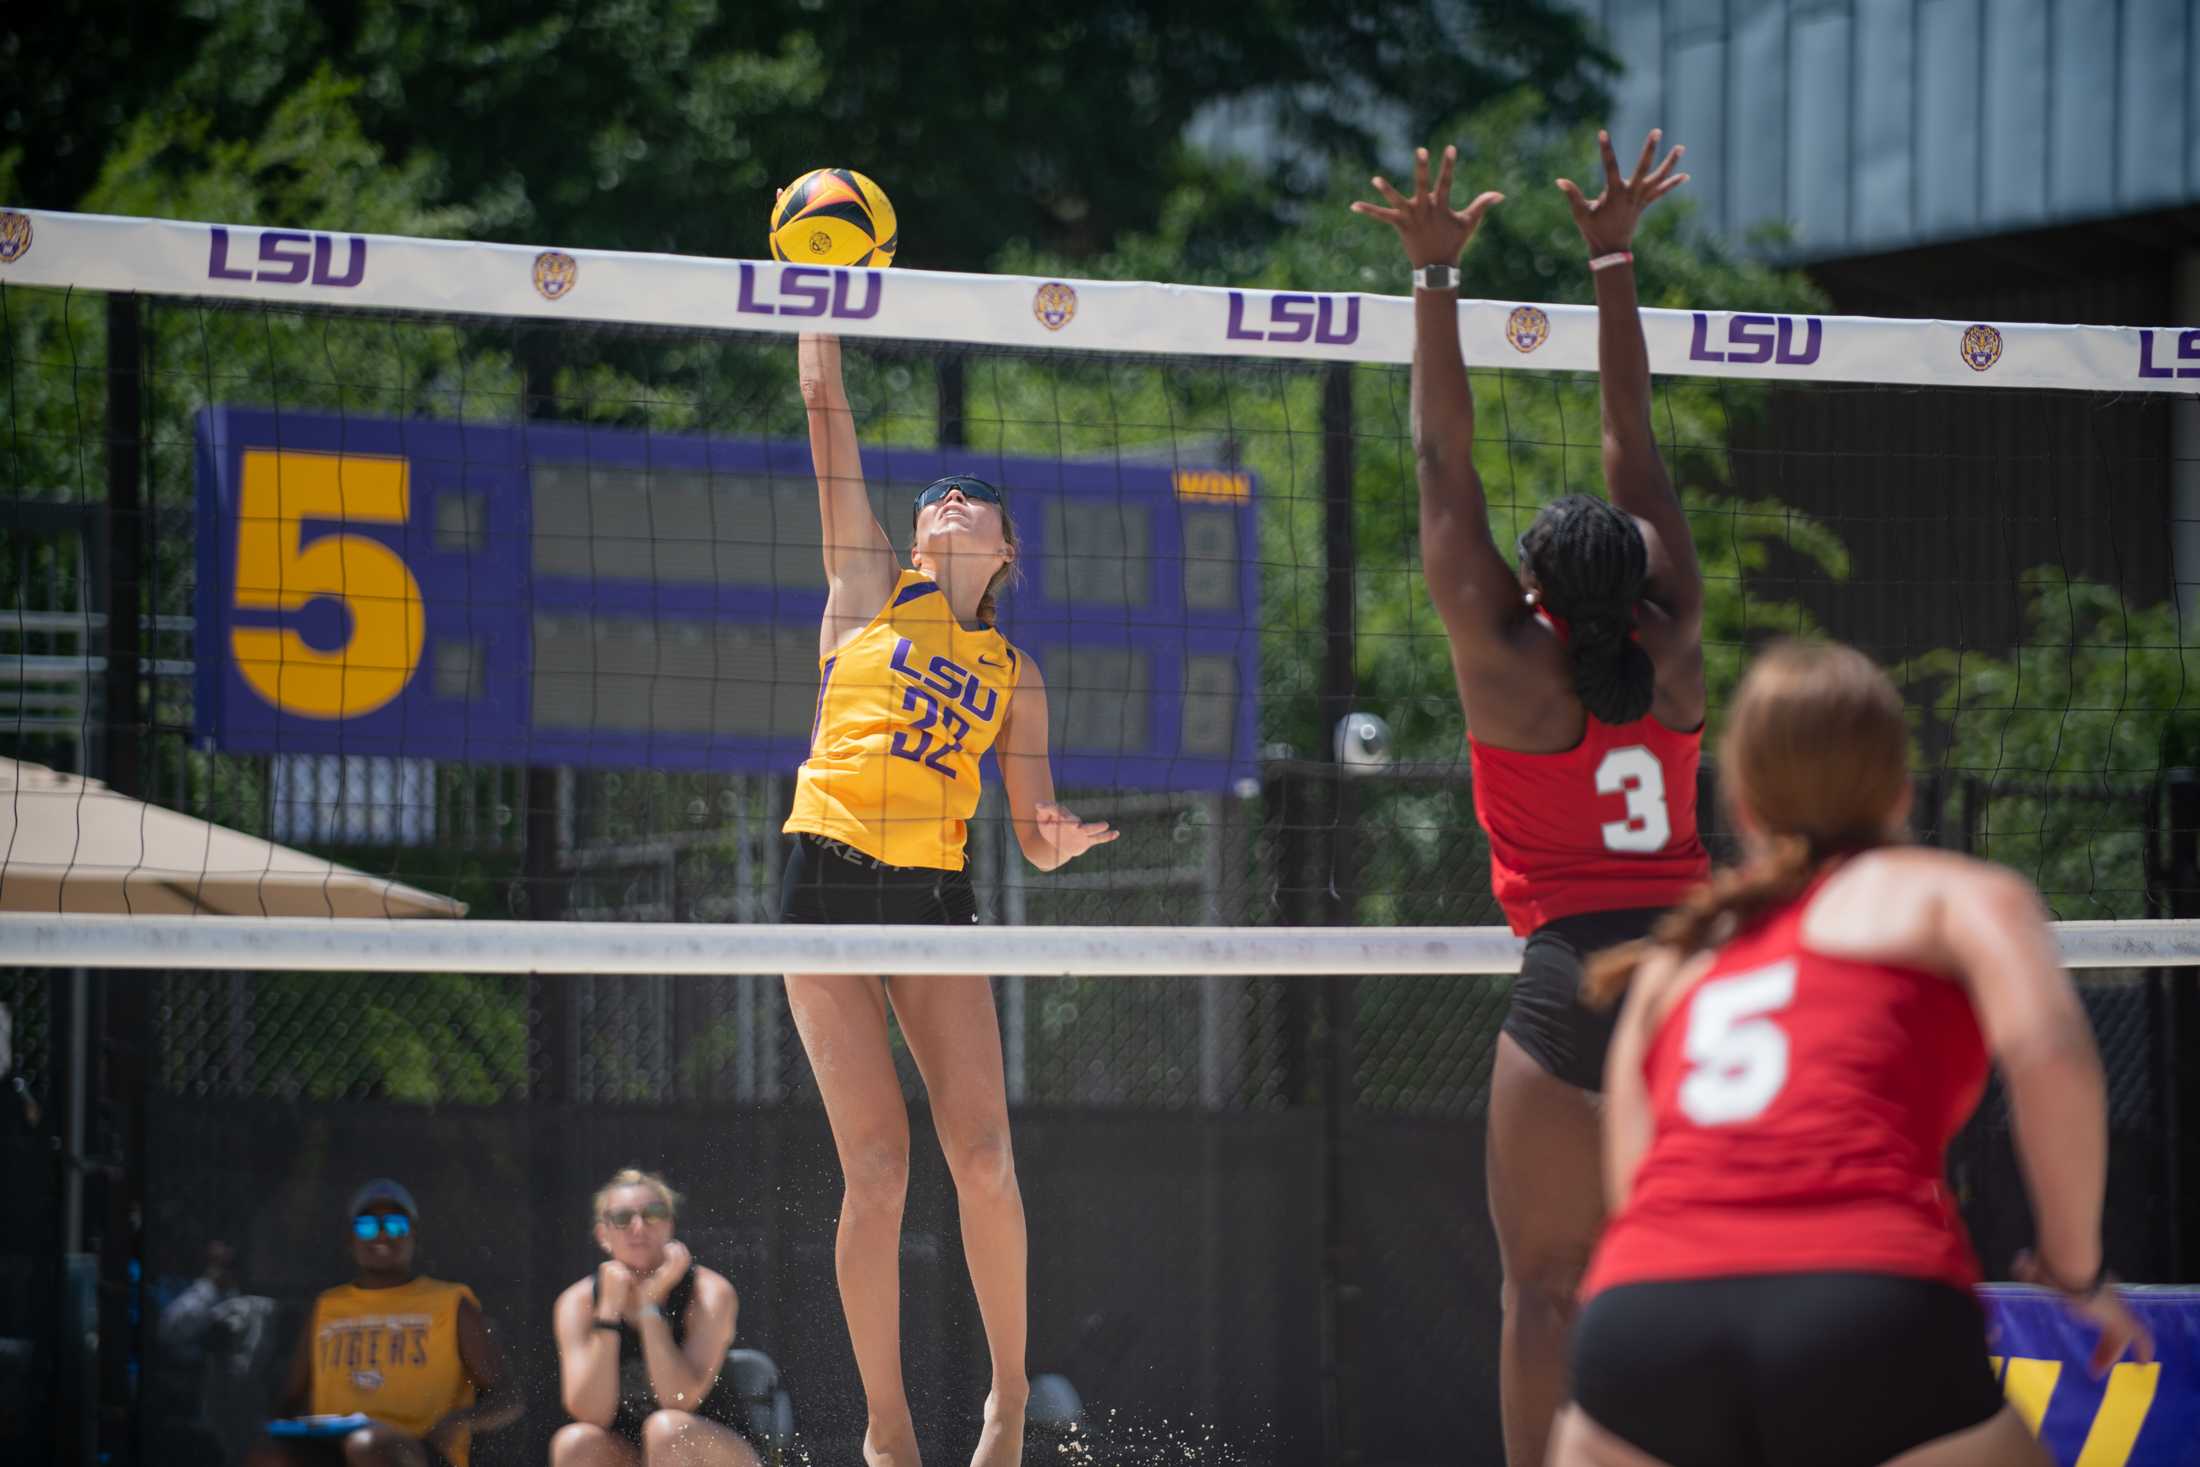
826, 881
1547, 1017
1783, 1370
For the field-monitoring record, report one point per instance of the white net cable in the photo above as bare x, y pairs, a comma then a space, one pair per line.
668, 949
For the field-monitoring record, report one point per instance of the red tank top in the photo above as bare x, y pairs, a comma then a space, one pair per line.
1607, 825
1802, 1107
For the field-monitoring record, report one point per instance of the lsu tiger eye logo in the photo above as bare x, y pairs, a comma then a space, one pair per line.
556, 273
15, 236
1055, 304
1981, 347
1527, 328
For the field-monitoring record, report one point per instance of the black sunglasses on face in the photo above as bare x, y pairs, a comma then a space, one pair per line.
368, 1226
621, 1217
977, 490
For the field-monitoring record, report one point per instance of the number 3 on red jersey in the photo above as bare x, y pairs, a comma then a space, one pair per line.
1635, 773
1737, 1056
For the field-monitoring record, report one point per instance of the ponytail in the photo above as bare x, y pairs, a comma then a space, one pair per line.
1816, 749
1613, 676
1590, 564
1728, 901
989, 605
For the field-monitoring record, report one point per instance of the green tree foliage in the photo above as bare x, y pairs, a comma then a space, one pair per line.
443, 1038
2064, 739
665, 124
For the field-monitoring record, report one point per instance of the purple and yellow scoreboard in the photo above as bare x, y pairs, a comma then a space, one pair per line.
568, 595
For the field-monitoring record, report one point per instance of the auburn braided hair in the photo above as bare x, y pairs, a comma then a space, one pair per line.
1816, 753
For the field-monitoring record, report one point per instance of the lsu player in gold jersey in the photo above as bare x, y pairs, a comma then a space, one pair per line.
395, 1369
915, 683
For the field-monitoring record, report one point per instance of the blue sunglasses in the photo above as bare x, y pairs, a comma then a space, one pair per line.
368, 1226
973, 489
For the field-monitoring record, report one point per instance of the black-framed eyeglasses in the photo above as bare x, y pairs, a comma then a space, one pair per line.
623, 1217
934, 492
368, 1226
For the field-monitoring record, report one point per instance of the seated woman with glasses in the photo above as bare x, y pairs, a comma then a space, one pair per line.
393, 1369
642, 1344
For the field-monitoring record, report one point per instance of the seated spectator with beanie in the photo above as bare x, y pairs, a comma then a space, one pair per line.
392, 1369
642, 1344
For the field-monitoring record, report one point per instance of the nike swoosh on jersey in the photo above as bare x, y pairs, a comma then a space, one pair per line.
989, 662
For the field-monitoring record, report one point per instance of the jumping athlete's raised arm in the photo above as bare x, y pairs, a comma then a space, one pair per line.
1634, 475
860, 564
1474, 590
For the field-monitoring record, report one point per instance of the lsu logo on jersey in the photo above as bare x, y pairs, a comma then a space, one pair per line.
948, 700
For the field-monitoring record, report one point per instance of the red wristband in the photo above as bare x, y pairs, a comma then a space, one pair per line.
1617, 257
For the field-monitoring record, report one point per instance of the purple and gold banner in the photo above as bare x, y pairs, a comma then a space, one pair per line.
2135, 1416
320, 267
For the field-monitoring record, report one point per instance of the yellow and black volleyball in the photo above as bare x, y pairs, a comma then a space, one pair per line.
834, 216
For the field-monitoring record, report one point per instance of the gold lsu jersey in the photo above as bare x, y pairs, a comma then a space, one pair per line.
904, 712
392, 1354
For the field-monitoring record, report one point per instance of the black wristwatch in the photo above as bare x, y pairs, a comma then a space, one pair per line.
1436, 277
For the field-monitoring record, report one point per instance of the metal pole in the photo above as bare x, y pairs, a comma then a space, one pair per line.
1335, 1066
2179, 1036
124, 724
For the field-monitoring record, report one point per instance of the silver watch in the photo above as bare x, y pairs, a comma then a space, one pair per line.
1436, 277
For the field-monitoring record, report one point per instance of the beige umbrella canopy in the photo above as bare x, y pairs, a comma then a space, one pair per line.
69, 844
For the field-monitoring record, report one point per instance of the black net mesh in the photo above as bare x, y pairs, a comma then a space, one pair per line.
1251, 1200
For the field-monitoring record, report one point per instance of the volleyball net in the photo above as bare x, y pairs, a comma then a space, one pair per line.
373, 576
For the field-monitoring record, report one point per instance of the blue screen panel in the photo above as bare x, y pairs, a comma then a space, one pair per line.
606, 598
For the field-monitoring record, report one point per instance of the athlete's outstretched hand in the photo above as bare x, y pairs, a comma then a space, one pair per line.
2104, 1308
1068, 835
1607, 222
1432, 231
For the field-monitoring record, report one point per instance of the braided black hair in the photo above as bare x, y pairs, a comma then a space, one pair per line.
1590, 562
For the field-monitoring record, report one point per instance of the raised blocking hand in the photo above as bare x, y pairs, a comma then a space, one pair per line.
1607, 222
1432, 231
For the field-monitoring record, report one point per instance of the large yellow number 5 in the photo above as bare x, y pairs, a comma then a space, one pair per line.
278, 570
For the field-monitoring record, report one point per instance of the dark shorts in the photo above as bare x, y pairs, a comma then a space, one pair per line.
1783, 1370
1547, 1017
826, 881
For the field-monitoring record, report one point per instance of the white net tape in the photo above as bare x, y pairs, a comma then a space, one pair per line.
699, 949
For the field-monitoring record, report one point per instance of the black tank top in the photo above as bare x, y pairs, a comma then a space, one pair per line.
636, 1397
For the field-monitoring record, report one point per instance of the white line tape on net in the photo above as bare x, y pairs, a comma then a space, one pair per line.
384, 272
312, 944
